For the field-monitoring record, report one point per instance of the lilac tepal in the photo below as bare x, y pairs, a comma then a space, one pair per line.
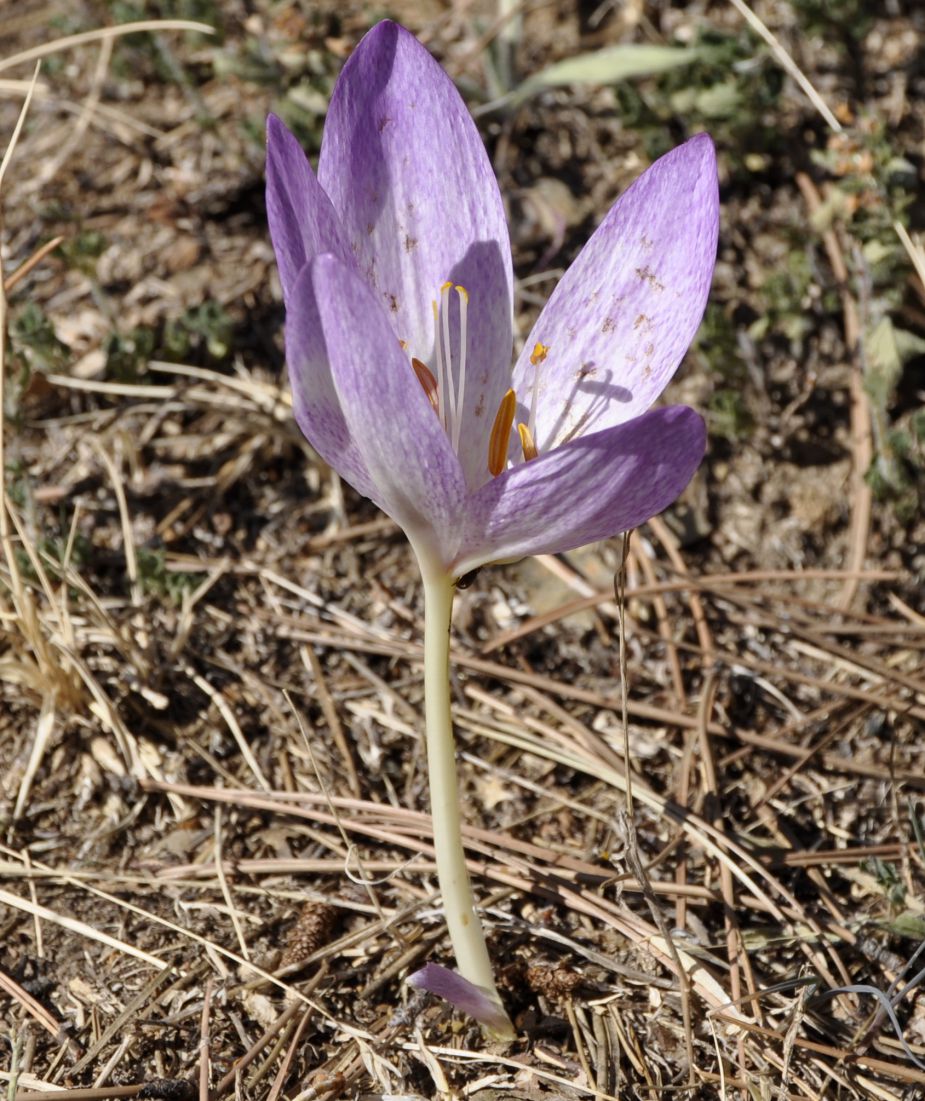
395, 263
459, 992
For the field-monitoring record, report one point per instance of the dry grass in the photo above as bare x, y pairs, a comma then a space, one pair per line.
216, 865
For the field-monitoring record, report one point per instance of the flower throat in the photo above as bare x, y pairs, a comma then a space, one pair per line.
448, 400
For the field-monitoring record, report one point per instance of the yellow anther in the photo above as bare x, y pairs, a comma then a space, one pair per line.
526, 442
462, 292
539, 353
501, 434
446, 286
427, 381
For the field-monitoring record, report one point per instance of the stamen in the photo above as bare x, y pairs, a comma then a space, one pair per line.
461, 391
500, 438
428, 382
526, 442
539, 353
445, 388
450, 408
537, 356
441, 370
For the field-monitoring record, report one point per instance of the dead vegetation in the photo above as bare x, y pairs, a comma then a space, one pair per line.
216, 868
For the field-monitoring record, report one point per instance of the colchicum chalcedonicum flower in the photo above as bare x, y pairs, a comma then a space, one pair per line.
395, 264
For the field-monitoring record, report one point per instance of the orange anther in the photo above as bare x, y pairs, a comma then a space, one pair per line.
501, 434
539, 353
427, 381
526, 442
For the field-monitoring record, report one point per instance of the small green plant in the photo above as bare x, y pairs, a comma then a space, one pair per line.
17, 482
157, 580
35, 350
35, 343
127, 354
82, 249
716, 342
896, 474
55, 552
250, 61
205, 328
144, 55
726, 89
845, 21
888, 879
870, 188
785, 299
203, 332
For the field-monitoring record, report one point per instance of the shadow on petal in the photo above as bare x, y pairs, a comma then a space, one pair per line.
592, 392
483, 272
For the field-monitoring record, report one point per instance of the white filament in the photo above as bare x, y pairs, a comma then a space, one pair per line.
531, 420
461, 383
441, 370
450, 421
451, 390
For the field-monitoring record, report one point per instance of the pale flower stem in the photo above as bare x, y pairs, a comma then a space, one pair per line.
464, 927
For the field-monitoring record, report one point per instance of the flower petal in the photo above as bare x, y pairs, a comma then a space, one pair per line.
413, 473
623, 315
410, 179
462, 995
302, 221
589, 489
315, 401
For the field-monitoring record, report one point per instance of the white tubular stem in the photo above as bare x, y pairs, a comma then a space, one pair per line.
465, 929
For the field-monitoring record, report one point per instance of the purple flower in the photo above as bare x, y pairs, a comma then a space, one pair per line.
462, 995
395, 263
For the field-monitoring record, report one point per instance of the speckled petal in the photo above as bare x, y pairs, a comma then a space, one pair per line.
410, 179
589, 489
622, 317
414, 474
302, 221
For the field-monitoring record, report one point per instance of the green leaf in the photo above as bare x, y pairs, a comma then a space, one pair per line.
608, 66
886, 350
908, 924
719, 101
908, 344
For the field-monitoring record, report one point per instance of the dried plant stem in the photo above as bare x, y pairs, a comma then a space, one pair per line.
464, 927
861, 425
620, 594
204, 1039
626, 827
787, 63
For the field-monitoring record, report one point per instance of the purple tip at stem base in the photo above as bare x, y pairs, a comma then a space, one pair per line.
464, 996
